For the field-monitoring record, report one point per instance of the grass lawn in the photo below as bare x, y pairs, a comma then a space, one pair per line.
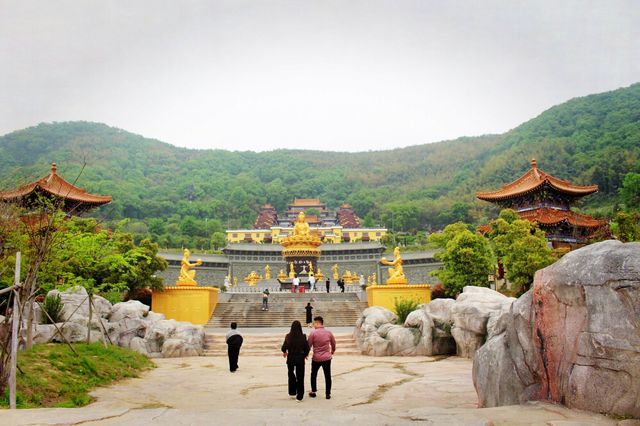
55, 377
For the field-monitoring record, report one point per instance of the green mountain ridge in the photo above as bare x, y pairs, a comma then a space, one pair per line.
592, 139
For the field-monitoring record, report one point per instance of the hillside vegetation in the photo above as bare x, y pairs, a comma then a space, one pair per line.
183, 196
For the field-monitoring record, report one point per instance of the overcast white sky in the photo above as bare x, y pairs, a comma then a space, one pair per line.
318, 74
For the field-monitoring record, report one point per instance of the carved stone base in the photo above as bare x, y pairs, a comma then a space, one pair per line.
186, 284
397, 281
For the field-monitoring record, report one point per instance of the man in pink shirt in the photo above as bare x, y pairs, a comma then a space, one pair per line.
323, 344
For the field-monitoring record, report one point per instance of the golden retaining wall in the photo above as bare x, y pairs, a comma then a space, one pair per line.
192, 304
386, 295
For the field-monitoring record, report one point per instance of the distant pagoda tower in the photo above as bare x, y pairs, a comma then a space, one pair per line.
546, 200
73, 200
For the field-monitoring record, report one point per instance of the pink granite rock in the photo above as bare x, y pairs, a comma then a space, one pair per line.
573, 339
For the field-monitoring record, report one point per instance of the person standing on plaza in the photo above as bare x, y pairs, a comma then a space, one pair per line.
312, 283
265, 299
296, 284
324, 345
295, 349
234, 343
328, 284
309, 308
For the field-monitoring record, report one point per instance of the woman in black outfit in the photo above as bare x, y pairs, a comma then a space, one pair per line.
309, 308
296, 349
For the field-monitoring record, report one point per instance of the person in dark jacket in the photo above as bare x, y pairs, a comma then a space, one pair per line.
309, 308
234, 343
296, 349
328, 284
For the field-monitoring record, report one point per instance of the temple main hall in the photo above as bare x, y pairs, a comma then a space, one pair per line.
332, 227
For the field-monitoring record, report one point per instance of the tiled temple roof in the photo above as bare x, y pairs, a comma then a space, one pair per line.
55, 185
533, 180
347, 217
266, 218
549, 217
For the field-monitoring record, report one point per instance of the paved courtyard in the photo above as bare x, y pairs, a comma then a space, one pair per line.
366, 390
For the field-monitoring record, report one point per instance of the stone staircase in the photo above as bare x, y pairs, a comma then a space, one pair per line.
338, 310
269, 344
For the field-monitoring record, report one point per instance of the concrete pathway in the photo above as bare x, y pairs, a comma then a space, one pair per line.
366, 390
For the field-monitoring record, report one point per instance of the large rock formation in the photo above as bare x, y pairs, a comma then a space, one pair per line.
444, 326
574, 338
128, 324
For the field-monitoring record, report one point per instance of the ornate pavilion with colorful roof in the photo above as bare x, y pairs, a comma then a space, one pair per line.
74, 200
546, 200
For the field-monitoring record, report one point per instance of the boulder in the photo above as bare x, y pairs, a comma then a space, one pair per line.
574, 338
158, 333
190, 334
38, 315
176, 348
76, 332
128, 309
76, 304
471, 313
139, 345
153, 317
43, 333
128, 324
442, 327
404, 341
123, 331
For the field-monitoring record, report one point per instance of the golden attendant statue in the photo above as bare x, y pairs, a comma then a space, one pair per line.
187, 277
396, 274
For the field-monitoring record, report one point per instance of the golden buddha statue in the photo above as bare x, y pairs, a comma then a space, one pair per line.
282, 275
267, 272
292, 273
252, 278
187, 277
336, 274
396, 274
301, 227
346, 277
319, 275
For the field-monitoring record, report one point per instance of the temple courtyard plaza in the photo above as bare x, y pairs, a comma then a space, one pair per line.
366, 390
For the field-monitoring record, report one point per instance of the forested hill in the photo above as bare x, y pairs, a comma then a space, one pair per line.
593, 139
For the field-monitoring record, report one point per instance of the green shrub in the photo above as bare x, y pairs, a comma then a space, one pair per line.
54, 376
404, 307
113, 296
53, 306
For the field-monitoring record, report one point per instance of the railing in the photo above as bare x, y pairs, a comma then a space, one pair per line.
355, 288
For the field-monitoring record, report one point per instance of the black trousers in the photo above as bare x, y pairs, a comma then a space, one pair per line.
327, 288
295, 369
326, 369
233, 353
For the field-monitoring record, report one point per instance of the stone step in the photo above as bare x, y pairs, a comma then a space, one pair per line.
270, 344
249, 314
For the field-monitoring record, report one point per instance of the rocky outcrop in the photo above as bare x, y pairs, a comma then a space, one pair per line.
128, 324
574, 338
441, 327
475, 315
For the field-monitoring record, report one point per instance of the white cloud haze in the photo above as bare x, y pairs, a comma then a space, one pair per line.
318, 74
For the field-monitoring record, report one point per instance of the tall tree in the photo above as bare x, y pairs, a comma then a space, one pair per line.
521, 247
467, 258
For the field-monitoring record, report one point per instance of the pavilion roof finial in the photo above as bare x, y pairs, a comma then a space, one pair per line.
534, 163
54, 168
